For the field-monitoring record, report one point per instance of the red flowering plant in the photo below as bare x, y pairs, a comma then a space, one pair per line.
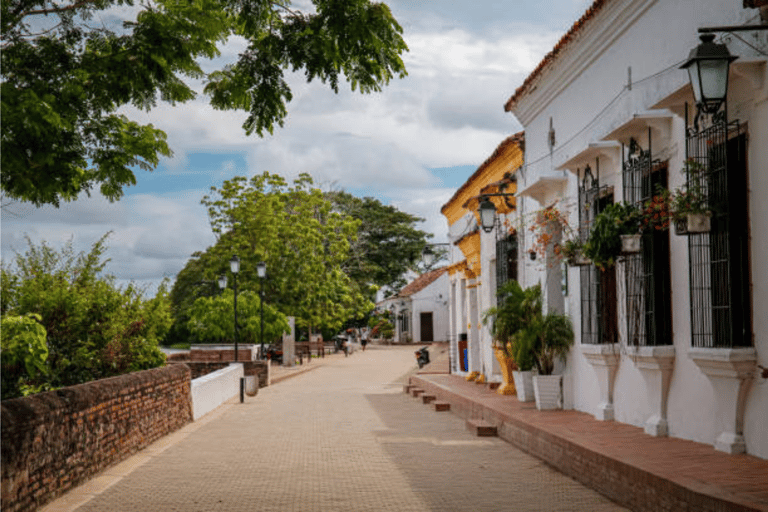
657, 212
545, 226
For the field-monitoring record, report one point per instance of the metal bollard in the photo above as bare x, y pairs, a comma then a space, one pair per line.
242, 389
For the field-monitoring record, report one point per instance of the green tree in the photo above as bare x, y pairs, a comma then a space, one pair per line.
23, 354
211, 319
305, 244
95, 329
387, 243
65, 76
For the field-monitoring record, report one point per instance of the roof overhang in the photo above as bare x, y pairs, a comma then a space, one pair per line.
605, 149
546, 189
658, 121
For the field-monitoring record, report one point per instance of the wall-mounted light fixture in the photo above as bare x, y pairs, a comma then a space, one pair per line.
487, 210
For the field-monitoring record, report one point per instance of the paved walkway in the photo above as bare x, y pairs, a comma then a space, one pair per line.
340, 437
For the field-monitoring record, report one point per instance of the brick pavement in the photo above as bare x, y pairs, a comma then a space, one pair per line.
342, 437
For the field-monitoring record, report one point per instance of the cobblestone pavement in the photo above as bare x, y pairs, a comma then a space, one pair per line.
343, 437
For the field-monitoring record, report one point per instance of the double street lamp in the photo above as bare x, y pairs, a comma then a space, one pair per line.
234, 267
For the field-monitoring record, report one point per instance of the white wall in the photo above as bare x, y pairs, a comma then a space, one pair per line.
212, 390
432, 299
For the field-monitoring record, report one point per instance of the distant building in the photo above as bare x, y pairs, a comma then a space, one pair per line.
420, 309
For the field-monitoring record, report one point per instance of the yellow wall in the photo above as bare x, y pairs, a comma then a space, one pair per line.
508, 157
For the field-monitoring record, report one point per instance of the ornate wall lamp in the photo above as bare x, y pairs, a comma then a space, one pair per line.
487, 210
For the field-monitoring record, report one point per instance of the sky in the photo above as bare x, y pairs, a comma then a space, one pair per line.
411, 146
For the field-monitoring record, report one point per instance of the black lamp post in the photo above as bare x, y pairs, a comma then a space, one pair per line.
234, 266
707, 67
261, 270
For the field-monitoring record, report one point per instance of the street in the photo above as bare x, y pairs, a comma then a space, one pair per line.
343, 437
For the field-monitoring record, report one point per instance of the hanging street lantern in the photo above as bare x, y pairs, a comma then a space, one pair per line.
487, 215
707, 67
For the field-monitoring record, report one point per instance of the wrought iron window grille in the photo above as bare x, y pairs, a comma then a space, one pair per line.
646, 274
599, 322
719, 277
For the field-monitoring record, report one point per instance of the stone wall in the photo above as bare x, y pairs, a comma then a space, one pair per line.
54, 441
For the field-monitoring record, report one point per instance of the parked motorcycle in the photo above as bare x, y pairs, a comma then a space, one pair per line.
422, 356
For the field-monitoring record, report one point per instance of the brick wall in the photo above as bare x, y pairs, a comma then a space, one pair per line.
54, 441
228, 355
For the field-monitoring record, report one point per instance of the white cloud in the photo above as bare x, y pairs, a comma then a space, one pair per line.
465, 60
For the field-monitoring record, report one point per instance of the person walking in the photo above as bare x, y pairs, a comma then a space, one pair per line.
364, 339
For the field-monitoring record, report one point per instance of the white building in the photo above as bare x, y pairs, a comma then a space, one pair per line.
420, 309
673, 339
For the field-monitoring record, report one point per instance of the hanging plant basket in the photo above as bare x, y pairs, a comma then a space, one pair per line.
693, 223
630, 244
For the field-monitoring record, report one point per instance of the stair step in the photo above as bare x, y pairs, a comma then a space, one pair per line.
428, 398
481, 428
416, 391
442, 406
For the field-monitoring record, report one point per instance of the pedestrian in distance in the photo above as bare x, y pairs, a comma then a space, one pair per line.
364, 339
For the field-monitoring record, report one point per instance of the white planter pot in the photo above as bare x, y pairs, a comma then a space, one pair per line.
630, 244
524, 385
547, 391
251, 385
698, 223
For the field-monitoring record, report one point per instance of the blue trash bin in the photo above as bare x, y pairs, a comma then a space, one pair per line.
464, 358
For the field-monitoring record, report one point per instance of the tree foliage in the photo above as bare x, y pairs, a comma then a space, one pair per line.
66, 73
212, 319
23, 352
95, 329
388, 243
294, 230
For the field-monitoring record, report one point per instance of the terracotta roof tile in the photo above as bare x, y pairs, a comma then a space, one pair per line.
422, 282
552, 55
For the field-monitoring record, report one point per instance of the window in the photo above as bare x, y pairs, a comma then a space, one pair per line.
721, 309
599, 318
647, 276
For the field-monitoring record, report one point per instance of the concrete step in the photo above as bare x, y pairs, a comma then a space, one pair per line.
416, 391
428, 398
442, 406
481, 428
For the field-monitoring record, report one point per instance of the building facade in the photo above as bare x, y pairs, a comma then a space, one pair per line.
673, 339
480, 261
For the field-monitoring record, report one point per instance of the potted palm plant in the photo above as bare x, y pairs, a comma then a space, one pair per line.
555, 337
516, 308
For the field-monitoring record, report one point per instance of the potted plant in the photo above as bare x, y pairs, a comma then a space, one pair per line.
517, 307
615, 231
572, 251
690, 206
549, 337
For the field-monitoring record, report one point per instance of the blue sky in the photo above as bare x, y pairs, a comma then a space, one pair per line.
410, 146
